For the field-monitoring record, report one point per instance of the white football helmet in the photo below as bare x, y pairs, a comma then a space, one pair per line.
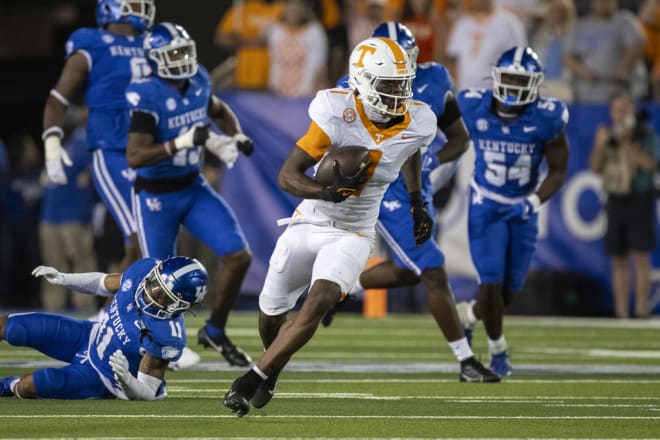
379, 70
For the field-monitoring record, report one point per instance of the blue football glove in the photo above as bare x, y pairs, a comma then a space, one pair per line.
521, 211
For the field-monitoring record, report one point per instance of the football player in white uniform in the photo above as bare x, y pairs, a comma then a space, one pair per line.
331, 234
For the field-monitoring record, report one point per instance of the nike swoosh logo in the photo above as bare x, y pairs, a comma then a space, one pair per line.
406, 136
527, 129
422, 88
198, 92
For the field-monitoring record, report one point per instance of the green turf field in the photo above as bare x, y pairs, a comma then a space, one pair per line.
387, 378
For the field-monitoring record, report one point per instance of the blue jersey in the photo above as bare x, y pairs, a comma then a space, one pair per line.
114, 61
175, 113
509, 153
125, 328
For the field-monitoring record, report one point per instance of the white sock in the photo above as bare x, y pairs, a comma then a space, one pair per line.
461, 349
497, 346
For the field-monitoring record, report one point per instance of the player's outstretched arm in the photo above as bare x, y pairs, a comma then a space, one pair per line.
92, 283
149, 378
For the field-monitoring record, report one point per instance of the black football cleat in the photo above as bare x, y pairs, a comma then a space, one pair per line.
266, 391
235, 400
223, 345
474, 371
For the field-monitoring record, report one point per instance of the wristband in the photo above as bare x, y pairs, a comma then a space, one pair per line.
57, 95
53, 130
167, 147
416, 198
535, 201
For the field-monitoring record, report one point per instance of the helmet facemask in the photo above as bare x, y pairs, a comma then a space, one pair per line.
388, 96
155, 299
514, 87
177, 60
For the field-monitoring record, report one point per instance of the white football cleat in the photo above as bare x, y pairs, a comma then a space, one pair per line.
188, 359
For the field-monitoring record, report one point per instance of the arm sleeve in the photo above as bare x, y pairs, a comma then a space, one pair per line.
92, 283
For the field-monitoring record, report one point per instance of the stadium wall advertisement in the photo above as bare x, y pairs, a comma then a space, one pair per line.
572, 224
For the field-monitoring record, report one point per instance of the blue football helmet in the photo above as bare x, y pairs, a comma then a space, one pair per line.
517, 76
139, 13
170, 51
401, 34
171, 287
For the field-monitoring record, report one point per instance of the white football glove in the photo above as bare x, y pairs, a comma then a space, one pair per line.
193, 137
119, 365
52, 275
224, 147
56, 155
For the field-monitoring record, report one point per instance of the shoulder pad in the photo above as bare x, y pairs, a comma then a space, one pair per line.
83, 38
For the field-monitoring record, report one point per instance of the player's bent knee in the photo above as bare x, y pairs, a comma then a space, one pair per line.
25, 388
436, 279
14, 331
242, 258
49, 383
323, 295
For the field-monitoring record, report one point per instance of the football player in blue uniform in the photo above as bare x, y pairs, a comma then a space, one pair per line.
127, 353
513, 129
102, 61
413, 263
170, 115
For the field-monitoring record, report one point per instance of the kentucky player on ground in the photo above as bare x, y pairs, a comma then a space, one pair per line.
513, 129
413, 263
127, 353
170, 115
102, 61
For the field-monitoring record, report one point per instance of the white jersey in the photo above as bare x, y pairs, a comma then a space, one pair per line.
339, 120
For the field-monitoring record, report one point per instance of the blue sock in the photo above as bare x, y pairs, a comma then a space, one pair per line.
213, 331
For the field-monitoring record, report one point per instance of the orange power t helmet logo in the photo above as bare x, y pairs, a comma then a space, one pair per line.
363, 51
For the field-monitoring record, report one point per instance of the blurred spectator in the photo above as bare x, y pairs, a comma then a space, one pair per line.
65, 230
241, 30
418, 17
649, 14
19, 244
333, 22
548, 39
298, 52
446, 14
478, 39
604, 51
525, 10
362, 17
625, 155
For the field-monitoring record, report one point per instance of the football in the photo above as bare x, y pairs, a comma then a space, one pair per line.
350, 159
